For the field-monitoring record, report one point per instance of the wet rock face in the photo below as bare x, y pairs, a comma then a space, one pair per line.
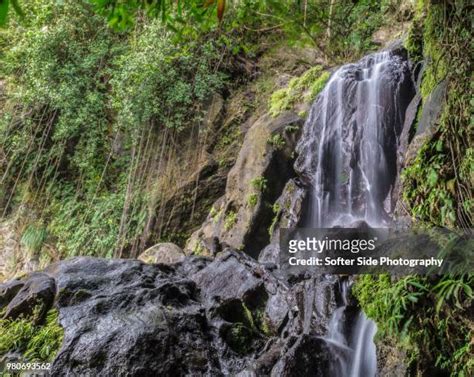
124, 317
36, 292
241, 218
215, 317
309, 356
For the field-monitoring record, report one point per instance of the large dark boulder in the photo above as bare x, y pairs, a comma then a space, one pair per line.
124, 317
227, 316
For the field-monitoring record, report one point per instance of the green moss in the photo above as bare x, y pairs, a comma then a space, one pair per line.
262, 322
198, 249
215, 214
300, 89
437, 67
414, 42
239, 338
35, 342
230, 220
279, 102
276, 211
252, 200
318, 85
259, 183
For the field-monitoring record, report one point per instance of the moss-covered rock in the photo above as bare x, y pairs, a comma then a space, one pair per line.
300, 90
166, 253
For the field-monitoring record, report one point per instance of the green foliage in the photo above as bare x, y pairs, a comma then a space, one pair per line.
259, 183
414, 40
33, 237
451, 289
215, 214
276, 141
437, 188
230, 220
393, 304
82, 102
36, 342
4, 8
246, 325
156, 75
430, 196
429, 317
239, 338
252, 200
276, 212
339, 30
300, 89
82, 229
438, 183
182, 17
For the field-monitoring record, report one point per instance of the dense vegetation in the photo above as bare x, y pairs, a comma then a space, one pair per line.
87, 106
431, 317
101, 104
39, 342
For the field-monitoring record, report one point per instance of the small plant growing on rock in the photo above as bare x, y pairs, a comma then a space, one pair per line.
252, 200
259, 183
276, 210
198, 249
215, 214
33, 237
276, 141
230, 220
292, 128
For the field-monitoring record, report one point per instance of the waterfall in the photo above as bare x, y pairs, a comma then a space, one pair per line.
348, 150
348, 157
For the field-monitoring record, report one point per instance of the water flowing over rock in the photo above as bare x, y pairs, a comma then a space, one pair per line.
348, 158
348, 151
232, 315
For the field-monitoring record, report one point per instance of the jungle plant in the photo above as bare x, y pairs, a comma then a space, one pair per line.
276, 141
35, 342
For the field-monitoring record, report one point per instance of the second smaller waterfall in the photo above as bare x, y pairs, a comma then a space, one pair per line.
353, 346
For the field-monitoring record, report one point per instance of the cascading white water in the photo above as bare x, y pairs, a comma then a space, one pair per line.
354, 352
350, 142
348, 154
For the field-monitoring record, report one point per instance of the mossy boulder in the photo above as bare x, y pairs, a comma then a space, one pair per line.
165, 253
